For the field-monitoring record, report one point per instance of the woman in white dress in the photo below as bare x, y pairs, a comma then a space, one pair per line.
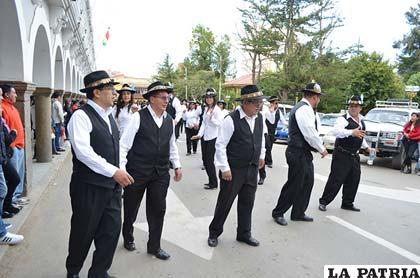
125, 107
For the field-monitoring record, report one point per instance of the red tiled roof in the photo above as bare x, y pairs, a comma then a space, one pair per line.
240, 82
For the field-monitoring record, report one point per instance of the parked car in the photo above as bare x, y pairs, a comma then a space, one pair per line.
282, 131
384, 125
325, 130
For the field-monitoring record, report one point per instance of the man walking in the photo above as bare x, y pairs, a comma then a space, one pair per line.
58, 119
345, 166
303, 138
240, 152
147, 147
95, 186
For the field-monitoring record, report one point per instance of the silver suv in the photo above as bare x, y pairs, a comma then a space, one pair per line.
384, 126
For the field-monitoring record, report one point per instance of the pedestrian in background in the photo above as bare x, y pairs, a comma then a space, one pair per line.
191, 118
57, 115
212, 119
411, 139
124, 109
303, 139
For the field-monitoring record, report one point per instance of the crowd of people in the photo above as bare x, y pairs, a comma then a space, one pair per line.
124, 150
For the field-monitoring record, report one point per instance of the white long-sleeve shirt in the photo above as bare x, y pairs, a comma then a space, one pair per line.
305, 118
176, 104
57, 113
271, 116
191, 118
127, 138
340, 130
124, 118
225, 133
212, 120
79, 128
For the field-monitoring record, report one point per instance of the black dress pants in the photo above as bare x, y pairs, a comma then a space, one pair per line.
297, 190
156, 188
189, 132
12, 180
209, 149
96, 217
177, 128
243, 185
345, 171
410, 148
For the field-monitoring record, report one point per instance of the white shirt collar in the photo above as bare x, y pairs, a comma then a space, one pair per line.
349, 116
99, 109
164, 114
307, 101
243, 115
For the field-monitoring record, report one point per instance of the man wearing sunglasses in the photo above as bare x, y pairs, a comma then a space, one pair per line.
240, 152
147, 147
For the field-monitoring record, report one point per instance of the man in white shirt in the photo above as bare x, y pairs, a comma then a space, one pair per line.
303, 138
95, 186
345, 166
147, 147
240, 151
175, 109
57, 115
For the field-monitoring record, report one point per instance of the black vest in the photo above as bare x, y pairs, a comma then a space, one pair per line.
271, 128
351, 144
104, 144
296, 138
151, 146
244, 147
170, 108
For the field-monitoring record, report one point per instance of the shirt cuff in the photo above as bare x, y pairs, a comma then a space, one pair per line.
111, 170
224, 168
176, 164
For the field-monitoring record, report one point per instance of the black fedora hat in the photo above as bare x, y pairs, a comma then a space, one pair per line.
251, 92
96, 79
355, 99
210, 92
156, 86
127, 88
273, 98
313, 88
221, 101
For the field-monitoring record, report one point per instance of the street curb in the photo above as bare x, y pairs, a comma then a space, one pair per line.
35, 195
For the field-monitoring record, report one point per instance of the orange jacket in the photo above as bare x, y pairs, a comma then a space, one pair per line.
12, 117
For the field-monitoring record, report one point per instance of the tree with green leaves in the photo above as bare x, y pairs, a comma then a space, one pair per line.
166, 71
201, 48
223, 59
409, 60
373, 77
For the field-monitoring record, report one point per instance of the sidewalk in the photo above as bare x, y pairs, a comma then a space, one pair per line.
43, 175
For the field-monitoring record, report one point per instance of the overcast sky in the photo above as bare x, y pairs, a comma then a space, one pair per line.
142, 32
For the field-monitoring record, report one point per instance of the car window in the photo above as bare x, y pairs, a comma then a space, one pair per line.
389, 116
329, 120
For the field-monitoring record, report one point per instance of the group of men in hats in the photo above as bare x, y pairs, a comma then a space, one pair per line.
104, 165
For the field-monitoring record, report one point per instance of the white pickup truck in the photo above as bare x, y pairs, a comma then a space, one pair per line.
384, 125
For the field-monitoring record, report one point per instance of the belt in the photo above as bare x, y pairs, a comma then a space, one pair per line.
343, 150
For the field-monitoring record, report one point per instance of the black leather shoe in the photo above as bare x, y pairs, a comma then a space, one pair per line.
72, 275
212, 242
6, 214
160, 254
56, 153
60, 150
130, 246
304, 218
280, 220
12, 209
352, 208
261, 181
250, 241
209, 187
109, 276
322, 207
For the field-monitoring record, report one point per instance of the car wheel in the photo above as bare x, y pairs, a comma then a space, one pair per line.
397, 160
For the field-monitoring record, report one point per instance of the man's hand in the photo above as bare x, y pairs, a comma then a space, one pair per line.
358, 133
178, 174
272, 107
261, 163
324, 153
227, 175
195, 137
123, 178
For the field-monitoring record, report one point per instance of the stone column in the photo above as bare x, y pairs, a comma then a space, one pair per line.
43, 124
23, 104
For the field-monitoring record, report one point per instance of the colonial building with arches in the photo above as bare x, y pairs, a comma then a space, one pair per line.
45, 46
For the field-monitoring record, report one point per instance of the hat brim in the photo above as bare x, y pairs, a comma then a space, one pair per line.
84, 90
252, 98
127, 90
313, 92
273, 99
354, 102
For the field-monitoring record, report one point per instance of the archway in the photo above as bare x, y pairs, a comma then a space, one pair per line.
73, 80
41, 76
11, 55
67, 82
58, 70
